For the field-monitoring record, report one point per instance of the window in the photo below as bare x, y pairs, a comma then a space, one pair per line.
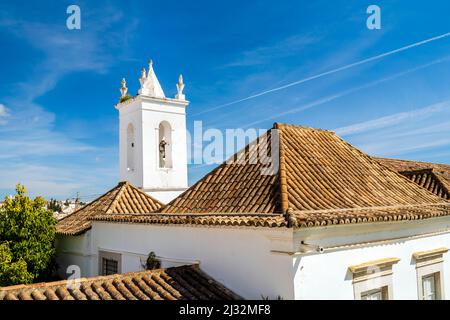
130, 147
373, 280
429, 267
377, 294
109, 263
109, 266
429, 285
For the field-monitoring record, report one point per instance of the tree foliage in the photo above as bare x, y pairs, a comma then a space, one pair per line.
54, 206
27, 234
12, 272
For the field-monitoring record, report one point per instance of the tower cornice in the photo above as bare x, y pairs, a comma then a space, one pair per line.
162, 101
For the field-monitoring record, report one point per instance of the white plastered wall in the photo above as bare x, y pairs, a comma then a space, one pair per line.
240, 258
146, 114
74, 251
326, 275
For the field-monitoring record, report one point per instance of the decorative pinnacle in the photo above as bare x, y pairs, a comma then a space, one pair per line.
180, 87
150, 65
123, 88
150, 85
143, 73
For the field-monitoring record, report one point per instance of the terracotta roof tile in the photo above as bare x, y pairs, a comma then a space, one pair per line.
179, 283
231, 220
229, 188
321, 180
325, 172
431, 176
122, 199
316, 218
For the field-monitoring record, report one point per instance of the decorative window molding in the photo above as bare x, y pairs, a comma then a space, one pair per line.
430, 255
108, 260
373, 278
430, 274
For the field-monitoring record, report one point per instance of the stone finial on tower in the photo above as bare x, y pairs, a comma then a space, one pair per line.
142, 78
149, 83
123, 88
180, 87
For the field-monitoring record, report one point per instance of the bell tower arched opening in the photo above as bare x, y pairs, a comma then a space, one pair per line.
165, 145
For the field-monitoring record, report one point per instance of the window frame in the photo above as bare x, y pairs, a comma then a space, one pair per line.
383, 291
109, 256
373, 275
430, 263
435, 277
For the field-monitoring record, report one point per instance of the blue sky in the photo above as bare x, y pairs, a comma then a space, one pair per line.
59, 128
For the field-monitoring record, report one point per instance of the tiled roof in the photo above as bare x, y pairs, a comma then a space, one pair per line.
321, 180
316, 218
122, 199
236, 186
268, 220
325, 172
432, 176
179, 283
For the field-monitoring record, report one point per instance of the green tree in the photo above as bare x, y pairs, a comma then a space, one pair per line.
12, 272
27, 235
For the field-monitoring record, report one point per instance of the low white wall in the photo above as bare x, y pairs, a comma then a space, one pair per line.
326, 276
73, 250
257, 262
240, 258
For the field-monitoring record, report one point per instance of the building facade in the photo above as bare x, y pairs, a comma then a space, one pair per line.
325, 222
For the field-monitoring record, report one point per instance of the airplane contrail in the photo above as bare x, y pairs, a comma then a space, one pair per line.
347, 92
320, 75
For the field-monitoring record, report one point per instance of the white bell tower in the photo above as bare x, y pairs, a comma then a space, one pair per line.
152, 146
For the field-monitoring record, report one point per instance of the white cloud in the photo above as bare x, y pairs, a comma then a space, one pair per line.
284, 48
394, 119
3, 114
30, 140
403, 134
58, 181
362, 126
255, 55
3, 110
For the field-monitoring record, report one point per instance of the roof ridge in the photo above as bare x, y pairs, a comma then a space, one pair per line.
213, 171
145, 194
282, 170
122, 186
280, 125
78, 221
413, 161
88, 204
